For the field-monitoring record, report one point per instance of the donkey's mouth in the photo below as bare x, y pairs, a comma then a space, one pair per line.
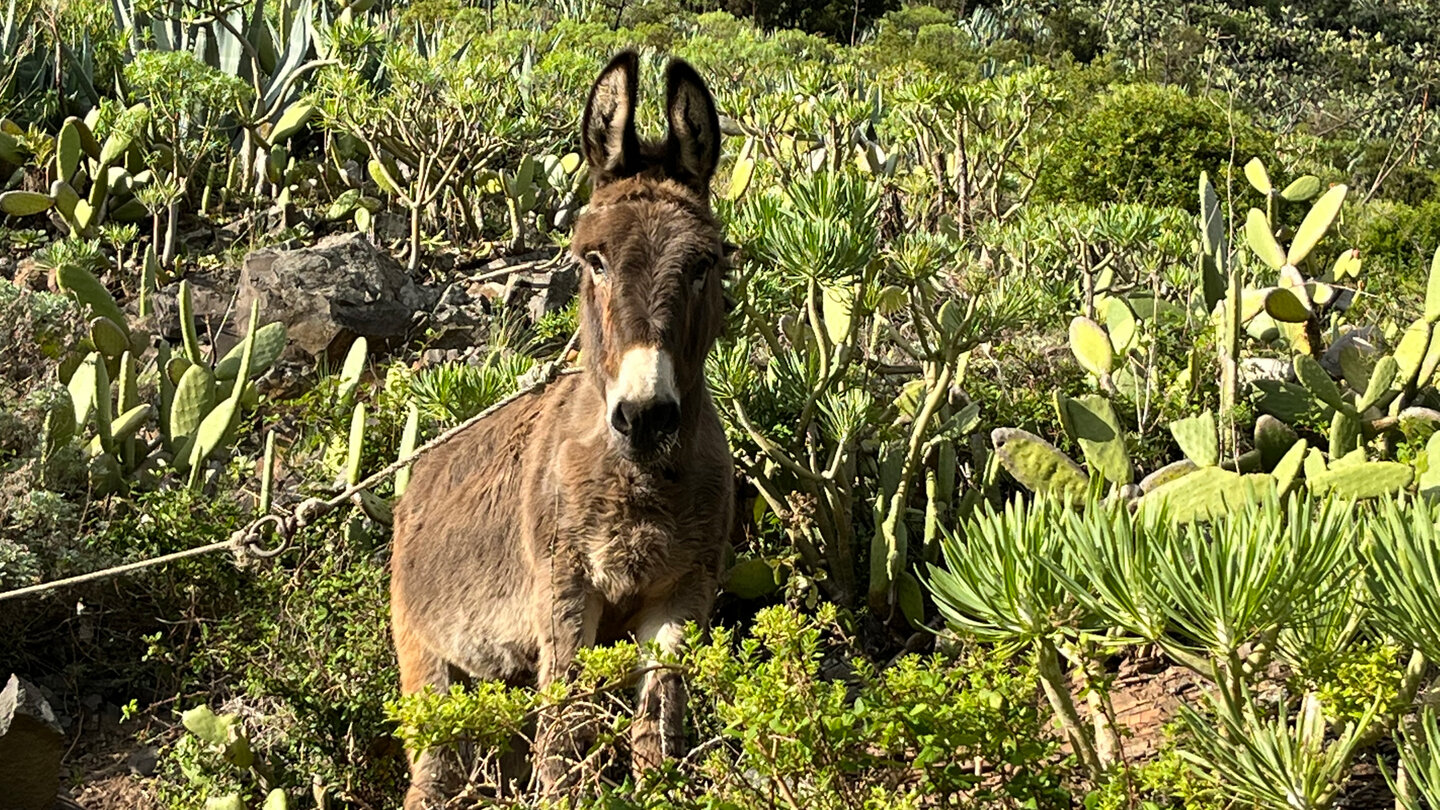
645, 451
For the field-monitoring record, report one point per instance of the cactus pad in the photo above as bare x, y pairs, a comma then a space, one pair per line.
1207, 493
1274, 439
1317, 221
1318, 382
1287, 469
1091, 346
194, 399
1370, 479
1197, 437
1262, 240
1038, 465
1097, 430
25, 203
751, 579
1301, 188
1166, 474
88, 290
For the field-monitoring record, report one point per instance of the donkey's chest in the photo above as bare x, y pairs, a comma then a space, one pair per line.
628, 545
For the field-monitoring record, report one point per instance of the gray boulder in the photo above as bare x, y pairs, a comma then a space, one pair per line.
543, 291
31, 745
329, 294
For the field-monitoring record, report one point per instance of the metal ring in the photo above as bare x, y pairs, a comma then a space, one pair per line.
251, 542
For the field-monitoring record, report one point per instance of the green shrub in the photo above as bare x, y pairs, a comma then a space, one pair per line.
927, 35
1147, 143
1396, 241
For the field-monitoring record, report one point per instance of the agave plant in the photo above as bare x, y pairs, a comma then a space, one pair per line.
1008, 579
1270, 759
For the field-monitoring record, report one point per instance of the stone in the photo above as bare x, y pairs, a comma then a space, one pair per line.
329, 294
458, 320
209, 304
1252, 369
143, 761
542, 292
1367, 340
31, 746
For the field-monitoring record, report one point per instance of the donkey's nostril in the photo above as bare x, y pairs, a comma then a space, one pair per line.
646, 421
664, 418
622, 417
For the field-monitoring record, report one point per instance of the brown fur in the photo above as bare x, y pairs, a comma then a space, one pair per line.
539, 530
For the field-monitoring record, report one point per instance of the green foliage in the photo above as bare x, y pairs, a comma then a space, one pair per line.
450, 393
1147, 143
920, 217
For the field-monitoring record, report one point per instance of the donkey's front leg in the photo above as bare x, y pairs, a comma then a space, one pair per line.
563, 732
658, 731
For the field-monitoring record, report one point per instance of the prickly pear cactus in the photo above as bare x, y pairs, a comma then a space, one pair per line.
1366, 479
1092, 422
1198, 438
1208, 493
1038, 465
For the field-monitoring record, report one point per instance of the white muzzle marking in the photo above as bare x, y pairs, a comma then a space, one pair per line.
647, 374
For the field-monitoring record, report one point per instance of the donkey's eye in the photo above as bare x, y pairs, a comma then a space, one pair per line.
596, 262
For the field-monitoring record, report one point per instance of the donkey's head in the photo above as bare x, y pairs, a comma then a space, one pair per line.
651, 257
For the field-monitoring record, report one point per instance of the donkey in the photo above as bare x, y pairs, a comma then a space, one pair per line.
598, 508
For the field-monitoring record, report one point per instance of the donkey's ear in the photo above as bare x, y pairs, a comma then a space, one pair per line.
608, 129
693, 148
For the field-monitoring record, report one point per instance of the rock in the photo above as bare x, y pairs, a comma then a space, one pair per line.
209, 300
1264, 368
143, 761
543, 291
458, 320
31, 745
1366, 340
28, 274
329, 294
391, 226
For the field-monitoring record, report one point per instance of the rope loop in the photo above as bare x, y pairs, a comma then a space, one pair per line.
252, 545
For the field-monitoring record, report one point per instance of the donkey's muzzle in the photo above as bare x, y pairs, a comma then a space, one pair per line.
647, 426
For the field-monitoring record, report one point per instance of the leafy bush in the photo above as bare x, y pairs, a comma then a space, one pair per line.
1147, 143
778, 729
